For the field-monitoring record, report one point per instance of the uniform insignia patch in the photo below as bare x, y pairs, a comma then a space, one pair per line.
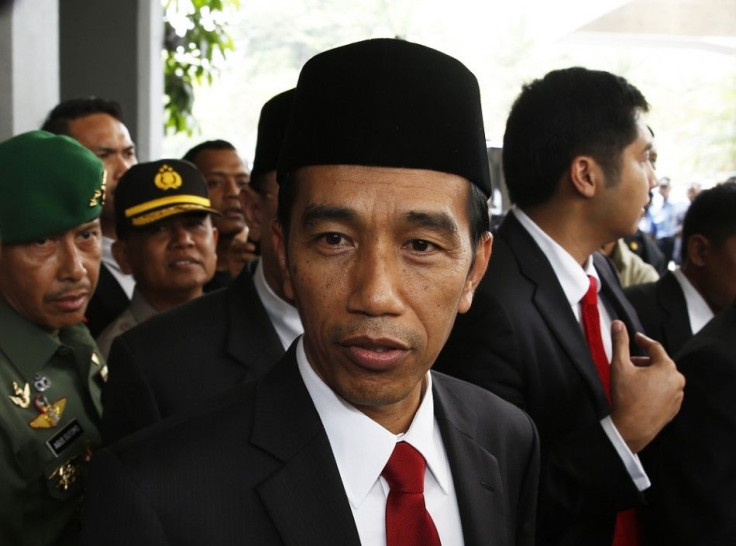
22, 396
50, 414
167, 178
41, 382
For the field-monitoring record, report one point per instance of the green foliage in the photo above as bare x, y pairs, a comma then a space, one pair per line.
195, 42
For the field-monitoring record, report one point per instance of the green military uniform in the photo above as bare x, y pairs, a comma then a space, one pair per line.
43, 456
50, 379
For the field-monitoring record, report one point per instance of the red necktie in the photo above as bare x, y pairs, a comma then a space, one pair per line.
407, 521
626, 532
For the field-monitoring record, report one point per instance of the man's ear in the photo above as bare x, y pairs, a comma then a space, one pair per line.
120, 253
586, 175
477, 270
250, 201
279, 244
698, 247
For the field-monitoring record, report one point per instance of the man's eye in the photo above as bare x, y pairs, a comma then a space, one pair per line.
332, 238
420, 245
213, 183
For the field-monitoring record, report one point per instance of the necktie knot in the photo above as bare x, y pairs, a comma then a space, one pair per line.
404, 471
591, 296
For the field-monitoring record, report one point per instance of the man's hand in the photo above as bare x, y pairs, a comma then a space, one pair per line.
646, 392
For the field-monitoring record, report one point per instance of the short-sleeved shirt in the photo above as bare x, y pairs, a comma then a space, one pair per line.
50, 413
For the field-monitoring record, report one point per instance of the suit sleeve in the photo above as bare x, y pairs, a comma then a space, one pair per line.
128, 400
116, 513
694, 492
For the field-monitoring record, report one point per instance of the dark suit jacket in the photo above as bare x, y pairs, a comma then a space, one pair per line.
179, 358
521, 340
693, 499
662, 310
257, 468
106, 304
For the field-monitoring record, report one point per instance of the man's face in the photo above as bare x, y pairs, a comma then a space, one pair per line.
226, 176
49, 282
170, 260
109, 140
379, 262
261, 208
720, 271
624, 199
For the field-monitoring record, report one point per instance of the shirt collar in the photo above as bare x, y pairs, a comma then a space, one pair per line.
698, 310
284, 316
572, 277
361, 446
26, 345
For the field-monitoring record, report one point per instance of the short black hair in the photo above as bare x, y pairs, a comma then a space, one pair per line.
567, 113
217, 144
711, 214
477, 209
57, 121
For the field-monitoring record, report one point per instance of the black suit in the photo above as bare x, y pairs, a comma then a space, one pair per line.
191, 353
257, 468
662, 310
521, 340
694, 495
106, 304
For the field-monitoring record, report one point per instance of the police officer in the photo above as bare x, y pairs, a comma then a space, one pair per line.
51, 195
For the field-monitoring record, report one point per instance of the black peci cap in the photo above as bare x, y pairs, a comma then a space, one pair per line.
387, 103
271, 128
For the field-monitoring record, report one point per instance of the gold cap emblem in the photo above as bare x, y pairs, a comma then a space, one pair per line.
99, 195
167, 178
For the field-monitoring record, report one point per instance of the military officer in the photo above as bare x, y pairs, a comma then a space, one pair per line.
51, 194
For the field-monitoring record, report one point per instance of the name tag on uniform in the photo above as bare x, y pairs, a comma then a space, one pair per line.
65, 437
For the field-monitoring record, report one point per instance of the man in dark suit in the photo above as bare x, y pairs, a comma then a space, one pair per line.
526, 336
383, 236
694, 495
98, 125
179, 358
683, 301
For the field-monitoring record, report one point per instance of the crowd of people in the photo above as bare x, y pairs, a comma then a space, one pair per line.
333, 348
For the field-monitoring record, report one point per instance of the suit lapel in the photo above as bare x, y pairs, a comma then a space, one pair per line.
475, 471
305, 498
553, 306
251, 338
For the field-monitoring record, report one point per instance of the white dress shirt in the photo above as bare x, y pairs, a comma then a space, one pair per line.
362, 448
283, 315
574, 281
698, 311
126, 282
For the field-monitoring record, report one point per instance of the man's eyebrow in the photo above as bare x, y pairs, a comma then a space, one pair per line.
438, 221
320, 213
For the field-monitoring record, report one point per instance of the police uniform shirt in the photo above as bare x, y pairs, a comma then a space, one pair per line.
49, 422
362, 448
138, 311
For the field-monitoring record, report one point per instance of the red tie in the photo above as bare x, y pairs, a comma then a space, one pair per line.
626, 532
407, 521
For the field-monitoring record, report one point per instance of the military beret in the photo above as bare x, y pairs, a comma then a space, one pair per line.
48, 184
387, 103
153, 191
271, 128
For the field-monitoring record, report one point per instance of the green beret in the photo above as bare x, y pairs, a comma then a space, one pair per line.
48, 184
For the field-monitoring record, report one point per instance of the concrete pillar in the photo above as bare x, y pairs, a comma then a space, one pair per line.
29, 64
112, 49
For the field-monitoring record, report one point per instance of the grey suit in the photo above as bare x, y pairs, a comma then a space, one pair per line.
257, 468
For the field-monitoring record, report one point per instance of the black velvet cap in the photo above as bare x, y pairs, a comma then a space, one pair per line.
271, 128
153, 191
387, 103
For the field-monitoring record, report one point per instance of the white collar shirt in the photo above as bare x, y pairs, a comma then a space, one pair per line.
362, 447
284, 316
698, 310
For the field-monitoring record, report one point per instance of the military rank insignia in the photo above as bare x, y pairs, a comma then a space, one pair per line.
21, 397
49, 414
